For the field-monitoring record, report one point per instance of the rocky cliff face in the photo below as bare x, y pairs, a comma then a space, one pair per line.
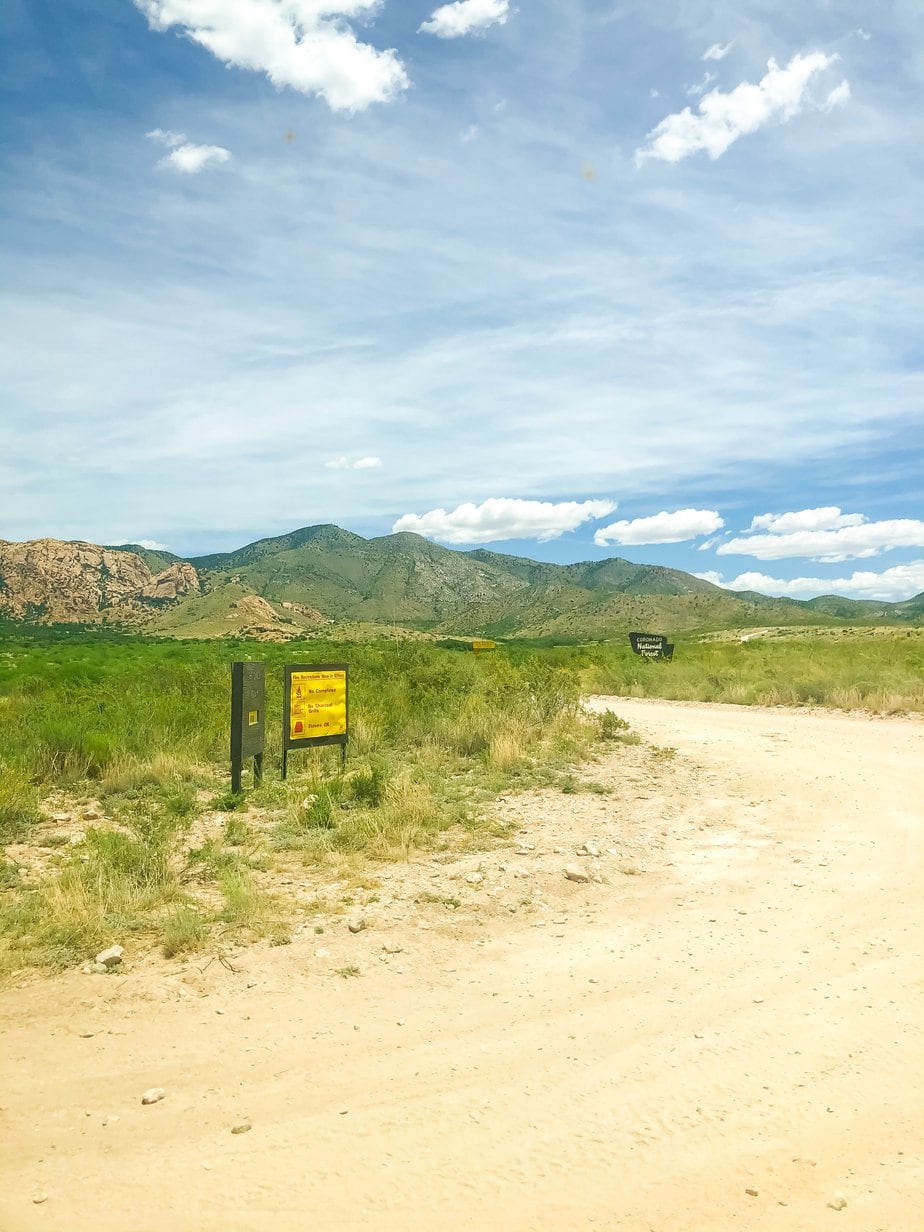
167, 587
49, 580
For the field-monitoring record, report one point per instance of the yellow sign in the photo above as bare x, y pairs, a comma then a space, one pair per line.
483, 644
317, 705
253, 717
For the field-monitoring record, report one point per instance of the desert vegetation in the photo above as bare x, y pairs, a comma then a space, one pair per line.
115, 813
113, 766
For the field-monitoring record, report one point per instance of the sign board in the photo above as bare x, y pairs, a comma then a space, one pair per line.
314, 707
248, 704
483, 644
651, 645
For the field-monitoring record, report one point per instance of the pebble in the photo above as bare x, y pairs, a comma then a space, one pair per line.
110, 1120
153, 1096
322, 953
39, 1198
575, 872
589, 850
356, 925
401, 1022
111, 957
243, 1128
475, 878
90, 815
390, 948
838, 1202
752, 1193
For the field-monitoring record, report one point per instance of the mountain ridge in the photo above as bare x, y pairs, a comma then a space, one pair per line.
321, 576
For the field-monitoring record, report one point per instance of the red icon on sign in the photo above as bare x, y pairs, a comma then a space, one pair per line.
299, 726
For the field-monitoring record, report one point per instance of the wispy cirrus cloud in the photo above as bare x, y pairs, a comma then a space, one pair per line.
185, 155
717, 51
892, 585
823, 534
701, 86
466, 17
305, 45
722, 118
662, 527
504, 518
358, 464
838, 96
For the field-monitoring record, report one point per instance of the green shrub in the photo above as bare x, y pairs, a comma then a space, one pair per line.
18, 802
184, 929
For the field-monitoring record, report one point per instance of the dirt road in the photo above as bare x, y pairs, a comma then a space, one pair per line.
726, 1030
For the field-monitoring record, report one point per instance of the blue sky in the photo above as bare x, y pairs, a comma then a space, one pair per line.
558, 278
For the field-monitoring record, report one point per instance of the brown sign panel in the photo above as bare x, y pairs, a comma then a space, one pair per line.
248, 702
651, 645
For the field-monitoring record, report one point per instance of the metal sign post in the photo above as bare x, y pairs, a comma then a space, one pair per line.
315, 708
248, 701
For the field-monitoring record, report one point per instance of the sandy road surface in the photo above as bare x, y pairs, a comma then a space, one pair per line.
745, 1014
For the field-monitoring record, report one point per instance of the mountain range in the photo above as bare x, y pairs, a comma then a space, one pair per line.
322, 579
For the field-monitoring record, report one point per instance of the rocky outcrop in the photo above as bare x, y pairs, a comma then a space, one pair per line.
308, 613
50, 580
174, 583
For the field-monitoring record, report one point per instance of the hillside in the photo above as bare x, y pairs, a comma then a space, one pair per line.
320, 577
50, 581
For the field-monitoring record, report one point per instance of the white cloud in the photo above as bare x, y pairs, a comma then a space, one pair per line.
661, 528
717, 51
723, 118
151, 544
504, 518
829, 517
360, 464
825, 535
304, 44
470, 134
466, 16
892, 585
701, 86
186, 155
192, 158
165, 137
838, 96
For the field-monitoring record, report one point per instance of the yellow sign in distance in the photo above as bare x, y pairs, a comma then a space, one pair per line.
317, 705
483, 644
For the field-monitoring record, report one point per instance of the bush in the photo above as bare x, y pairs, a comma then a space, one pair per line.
18, 802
